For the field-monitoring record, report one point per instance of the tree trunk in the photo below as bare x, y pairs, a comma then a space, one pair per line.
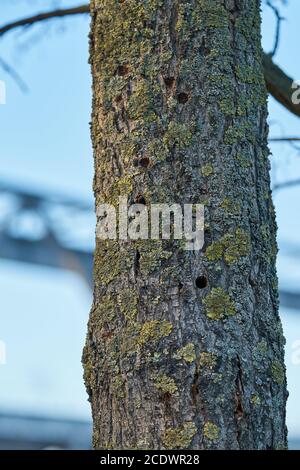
184, 348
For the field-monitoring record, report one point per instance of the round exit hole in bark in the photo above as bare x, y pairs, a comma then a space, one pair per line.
140, 200
183, 98
201, 282
169, 81
144, 162
122, 70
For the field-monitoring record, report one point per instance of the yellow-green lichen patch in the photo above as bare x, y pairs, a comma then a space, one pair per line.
128, 149
239, 132
121, 42
255, 400
220, 399
236, 246
157, 150
178, 135
187, 353
152, 254
207, 170
153, 330
211, 431
164, 383
138, 403
117, 386
104, 312
216, 378
231, 246
248, 74
215, 16
281, 446
218, 304
215, 251
96, 439
278, 372
262, 347
243, 161
230, 206
208, 360
121, 187
89, 376
128, 341
179, 438
104, 270
140, 104
127, 302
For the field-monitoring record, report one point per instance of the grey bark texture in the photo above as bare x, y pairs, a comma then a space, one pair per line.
179, 116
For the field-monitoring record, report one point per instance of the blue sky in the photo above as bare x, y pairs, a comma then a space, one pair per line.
45, 145
45, 133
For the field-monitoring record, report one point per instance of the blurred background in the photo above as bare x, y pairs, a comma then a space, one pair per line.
47, 223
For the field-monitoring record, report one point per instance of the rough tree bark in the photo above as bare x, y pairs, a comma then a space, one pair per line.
179, 115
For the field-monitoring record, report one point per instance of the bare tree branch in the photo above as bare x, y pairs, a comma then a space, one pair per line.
14, 75
284, 139
286, 184
278, 83
26, 22
279, 19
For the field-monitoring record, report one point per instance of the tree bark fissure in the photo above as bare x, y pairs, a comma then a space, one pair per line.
179, 116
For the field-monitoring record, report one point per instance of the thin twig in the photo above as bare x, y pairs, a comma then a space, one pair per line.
27, 22
286, 184
279, 19
14, 75
278, 83
284, 139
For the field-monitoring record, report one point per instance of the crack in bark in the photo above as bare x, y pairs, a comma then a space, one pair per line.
239, 409
137, 264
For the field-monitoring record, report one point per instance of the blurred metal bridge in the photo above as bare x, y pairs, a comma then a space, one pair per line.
46, 230
56, 231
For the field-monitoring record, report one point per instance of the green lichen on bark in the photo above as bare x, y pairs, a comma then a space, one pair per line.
262, 347
105, 271
89, 375
154, 330
232, 246
255, 400
211, 431
187, 352
128, 302
207, 170
179, 438
231, 206
152, 254
177, 135
207, 360
178, 85
164, 383
219, 304
118, 387
278, 372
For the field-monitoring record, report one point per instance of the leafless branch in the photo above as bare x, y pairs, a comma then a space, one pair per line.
60, 13
278, 83
286, 184
284, 139
14, 75
279, 19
